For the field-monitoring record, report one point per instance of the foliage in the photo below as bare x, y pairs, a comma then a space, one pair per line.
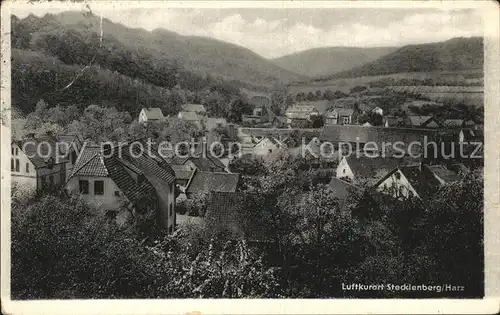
247, 164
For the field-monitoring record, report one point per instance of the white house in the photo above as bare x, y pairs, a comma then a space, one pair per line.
151, 115
117, 183
42, 162
365, 170
268, 145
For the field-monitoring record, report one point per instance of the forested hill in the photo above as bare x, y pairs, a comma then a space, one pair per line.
130, 67
328, 60
451, 55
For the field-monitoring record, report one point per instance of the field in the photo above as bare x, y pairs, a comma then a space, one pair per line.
470, 95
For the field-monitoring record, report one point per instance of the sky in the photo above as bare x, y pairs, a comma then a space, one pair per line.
276, 32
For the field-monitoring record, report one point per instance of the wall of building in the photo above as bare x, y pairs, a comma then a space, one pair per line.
343, 170
23, 177
107, 201
397, 185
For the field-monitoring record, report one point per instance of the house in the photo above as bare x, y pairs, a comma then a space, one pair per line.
125, 179
341, 116
380, 138
364, 170
71, 144
422, 121
268, 145
182, 174
151, 115
194, 108
212, 123
199, 160
377, 110
442, 174
394, 121
39, 163
191, 117
345, 192
240, 215
301, 112
396, 184
212, 181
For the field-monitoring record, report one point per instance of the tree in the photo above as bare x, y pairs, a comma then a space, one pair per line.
237, 108
317, 121
247, 164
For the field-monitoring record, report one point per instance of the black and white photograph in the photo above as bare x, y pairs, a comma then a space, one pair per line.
254, 152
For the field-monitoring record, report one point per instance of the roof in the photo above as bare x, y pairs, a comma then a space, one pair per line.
69, 139
443, 173
153, 113
40, 151
91, 162
424, 186
343, 190
206, 163
212, 181
277, 143
418, 120
189, 116
212, 123
193, 108
353, 133
393, 121
453, 122
239, 213
182, 172
371, 169
303, 108
344, 111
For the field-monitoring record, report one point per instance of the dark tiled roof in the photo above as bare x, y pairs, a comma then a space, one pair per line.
343, 190
153, 113
378, 135
423, 185
37, 150
140, 193
442, 172
372, 169
418, 120
89, 162
213, 181
239, 213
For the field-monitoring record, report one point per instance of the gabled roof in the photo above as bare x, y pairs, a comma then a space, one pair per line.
453, 122
240, 214
343, 190
443, 173
189, 116
153, 113
277, 143
206, 163
344, 111
91, 162
193, 108
182, 173
212, 181
418, 121
371, 169
379, 135
41, 151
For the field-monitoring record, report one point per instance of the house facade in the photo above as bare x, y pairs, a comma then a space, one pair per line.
129, 181
300, 112
39, 163
268, 145
341, 116
150, 115
396, 185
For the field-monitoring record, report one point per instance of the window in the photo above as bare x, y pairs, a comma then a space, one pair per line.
170, 229
98, 187
345, 120
12, 168
117, 193
12, 149
17, 151
170, 209
27, 167
343, 171
84, 187
17, 165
